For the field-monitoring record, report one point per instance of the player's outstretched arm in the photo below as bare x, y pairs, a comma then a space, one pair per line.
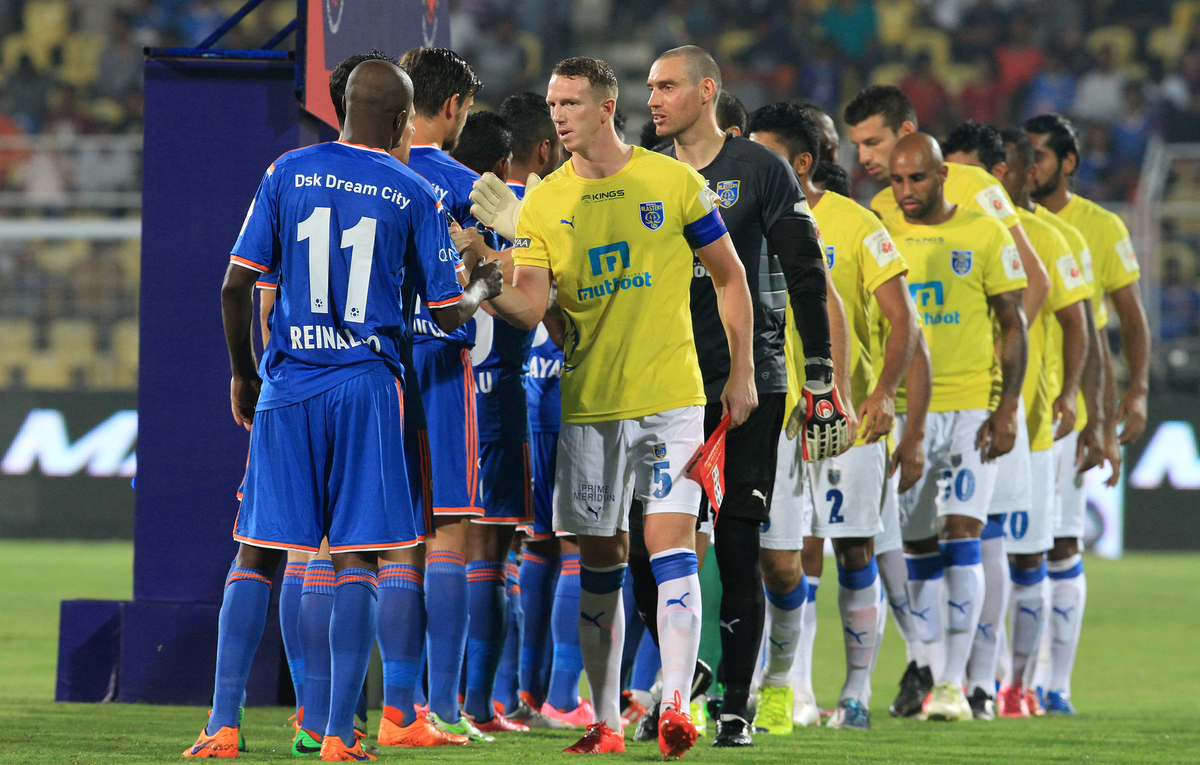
1038, 287
918, 390
1135, 344
1072, 319
740, 396
524, 303
879, 409
1089, 452
486, 282
998, 434
237, 314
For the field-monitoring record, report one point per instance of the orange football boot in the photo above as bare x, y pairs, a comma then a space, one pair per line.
676, 731
1011, 702
420, 732
634, 709
1035, 705
333, 750
499, 724
599, 739
223, 743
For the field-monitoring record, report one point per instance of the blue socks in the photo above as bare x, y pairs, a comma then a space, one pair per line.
243, 616
488, 607
401, 636
647, 663
351, 635
563, 694
316, 607
446, 629
507, 676
289, 624
634, 628
537, 600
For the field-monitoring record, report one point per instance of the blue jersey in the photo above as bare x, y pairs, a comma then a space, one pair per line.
452, 182
346, 228
543, 369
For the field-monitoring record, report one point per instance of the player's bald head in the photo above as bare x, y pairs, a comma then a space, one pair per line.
697, 65
378, 89
917, 152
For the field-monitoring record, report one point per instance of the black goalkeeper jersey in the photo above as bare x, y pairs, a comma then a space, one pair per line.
755, 189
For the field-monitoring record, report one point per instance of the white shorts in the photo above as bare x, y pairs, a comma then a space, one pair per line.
791, 504
847, 492
956, 482
1014, 493
1072, 498
889, 539
602, 464
1028, 533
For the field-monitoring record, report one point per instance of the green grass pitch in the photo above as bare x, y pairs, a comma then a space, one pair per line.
1136, 685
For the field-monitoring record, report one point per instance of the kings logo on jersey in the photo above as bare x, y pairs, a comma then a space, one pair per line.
652, 215
727, 192
960, 261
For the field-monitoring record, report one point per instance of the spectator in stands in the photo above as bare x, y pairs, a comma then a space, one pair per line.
503, 58
1166, 89
821, 77
850, 24
1052, 90
1019, 58
1098, 98
981, 100
27, 89
678, 22
1130, 135
96, 287
1092, 176
1179, 303
981, 29
927, 94
121, 65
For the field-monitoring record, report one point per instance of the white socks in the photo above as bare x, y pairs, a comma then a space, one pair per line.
859, 602
964, 600
679, 613
925, 606
1068, 596
1027, 615
602, 638
981, 667
802, 665
893, 574
784, 613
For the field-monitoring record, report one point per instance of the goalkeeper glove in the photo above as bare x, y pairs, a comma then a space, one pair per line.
820, 414
495, 205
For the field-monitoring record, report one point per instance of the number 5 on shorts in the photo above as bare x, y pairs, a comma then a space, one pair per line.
662, 478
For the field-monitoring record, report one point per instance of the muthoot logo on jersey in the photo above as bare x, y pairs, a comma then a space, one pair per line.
606, 258
929, 297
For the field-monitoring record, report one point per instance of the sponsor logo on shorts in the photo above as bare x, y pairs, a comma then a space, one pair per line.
835, 476
594, 492
660, 451
955, 460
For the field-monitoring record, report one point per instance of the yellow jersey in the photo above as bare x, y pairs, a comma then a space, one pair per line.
1114, 263
967, 186
620, 249
954, 268
860, 256
1054, 335
1067, 286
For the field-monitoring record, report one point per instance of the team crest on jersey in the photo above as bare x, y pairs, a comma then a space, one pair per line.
727, 192
652, 214
660, 451
835, 476
955, 460
830, 255
960, 261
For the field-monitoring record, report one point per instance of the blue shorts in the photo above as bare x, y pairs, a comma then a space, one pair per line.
543, 449
334, 466
448, 392
507, 482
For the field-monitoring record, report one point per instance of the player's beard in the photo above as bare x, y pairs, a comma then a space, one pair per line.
1043, 190
679, 129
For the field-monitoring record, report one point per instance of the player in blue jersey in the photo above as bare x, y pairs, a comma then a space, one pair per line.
499, 350
444, 90
326, 398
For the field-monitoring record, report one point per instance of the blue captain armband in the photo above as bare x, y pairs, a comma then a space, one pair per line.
705, 230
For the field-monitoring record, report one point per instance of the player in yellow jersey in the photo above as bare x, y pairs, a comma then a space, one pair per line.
1050, 391
1116, 272
847, 489
616, 227
881, 115
963, 270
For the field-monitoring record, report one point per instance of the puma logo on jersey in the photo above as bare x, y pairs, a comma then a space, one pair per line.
570, 223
